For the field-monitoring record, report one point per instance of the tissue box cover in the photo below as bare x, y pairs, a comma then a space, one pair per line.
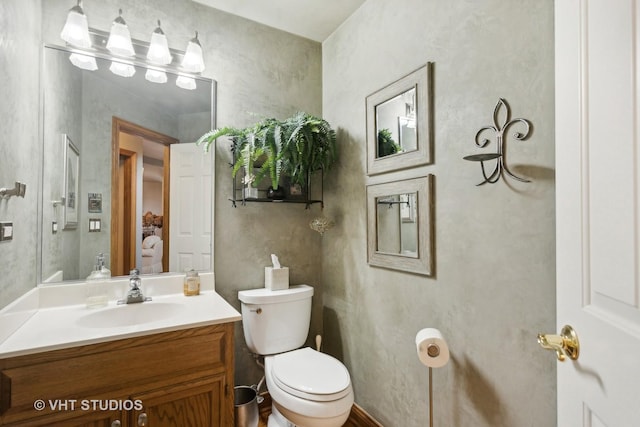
276, 278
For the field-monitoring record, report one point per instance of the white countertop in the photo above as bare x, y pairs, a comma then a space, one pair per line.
55, 317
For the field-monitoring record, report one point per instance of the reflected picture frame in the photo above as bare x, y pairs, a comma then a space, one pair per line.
424, 262
422, 80
70, 187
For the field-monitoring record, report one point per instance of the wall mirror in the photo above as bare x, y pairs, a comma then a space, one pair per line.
122, 128
399, 129
399, 225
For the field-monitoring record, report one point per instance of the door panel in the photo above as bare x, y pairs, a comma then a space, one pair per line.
192, 201
597, 209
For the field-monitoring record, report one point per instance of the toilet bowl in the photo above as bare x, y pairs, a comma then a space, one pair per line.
308, 389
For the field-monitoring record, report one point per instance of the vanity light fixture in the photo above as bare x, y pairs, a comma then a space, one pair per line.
185, 82
155, 56
192, 60
86, 62
76, 28
159, 47
119, 42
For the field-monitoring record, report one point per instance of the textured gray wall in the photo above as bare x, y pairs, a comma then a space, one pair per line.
20, 22
494, 288
62, 93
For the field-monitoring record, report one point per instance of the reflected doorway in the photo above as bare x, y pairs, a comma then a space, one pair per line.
138, 240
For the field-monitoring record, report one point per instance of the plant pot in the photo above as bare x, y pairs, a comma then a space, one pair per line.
250, 192
277, 194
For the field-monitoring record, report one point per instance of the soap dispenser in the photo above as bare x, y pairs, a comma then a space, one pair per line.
97, 284
191, 283
104, 271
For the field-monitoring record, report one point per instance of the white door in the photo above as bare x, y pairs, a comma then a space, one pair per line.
598, 209
191, 190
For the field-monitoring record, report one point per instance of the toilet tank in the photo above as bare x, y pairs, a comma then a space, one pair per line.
276, 321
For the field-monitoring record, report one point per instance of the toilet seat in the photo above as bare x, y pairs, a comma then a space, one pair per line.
311, 375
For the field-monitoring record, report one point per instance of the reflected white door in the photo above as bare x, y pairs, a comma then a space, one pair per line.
598, 209
191, 213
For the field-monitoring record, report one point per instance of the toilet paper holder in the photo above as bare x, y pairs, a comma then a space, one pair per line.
433, 352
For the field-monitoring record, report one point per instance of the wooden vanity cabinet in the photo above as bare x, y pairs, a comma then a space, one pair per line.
178, 378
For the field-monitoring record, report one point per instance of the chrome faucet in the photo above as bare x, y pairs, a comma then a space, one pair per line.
135, 293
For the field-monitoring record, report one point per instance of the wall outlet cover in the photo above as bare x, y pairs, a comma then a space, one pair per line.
6, 231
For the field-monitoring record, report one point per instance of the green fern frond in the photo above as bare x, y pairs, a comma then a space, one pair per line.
208, 138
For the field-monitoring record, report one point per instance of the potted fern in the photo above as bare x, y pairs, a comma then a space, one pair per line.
310, 147
260, 143
296, 147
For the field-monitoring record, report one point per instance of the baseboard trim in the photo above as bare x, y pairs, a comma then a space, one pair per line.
357, 418
361, 418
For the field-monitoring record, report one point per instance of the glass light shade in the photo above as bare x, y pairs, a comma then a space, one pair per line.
159, 49
156, 76
122, 69
193, 60
119, 42
76, 28
86, 62
186, 82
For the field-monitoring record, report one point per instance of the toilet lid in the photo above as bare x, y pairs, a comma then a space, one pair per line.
310, 374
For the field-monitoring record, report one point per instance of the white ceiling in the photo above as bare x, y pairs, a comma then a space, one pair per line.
313, 19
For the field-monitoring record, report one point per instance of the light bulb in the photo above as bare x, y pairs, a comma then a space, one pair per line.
193, 61
186, 82
122, 69
76, 28
119, 42
156, 76
159, 48
86, 62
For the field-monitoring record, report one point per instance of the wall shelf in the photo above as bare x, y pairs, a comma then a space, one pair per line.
238, 193
265, 200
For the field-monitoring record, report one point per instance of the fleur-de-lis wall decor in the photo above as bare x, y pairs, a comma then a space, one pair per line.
498, 131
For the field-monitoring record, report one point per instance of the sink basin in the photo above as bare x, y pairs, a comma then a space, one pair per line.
131, 314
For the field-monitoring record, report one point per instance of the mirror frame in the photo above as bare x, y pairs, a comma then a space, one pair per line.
422, 264
422, 80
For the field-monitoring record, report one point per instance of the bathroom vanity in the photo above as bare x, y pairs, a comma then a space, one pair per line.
133, 365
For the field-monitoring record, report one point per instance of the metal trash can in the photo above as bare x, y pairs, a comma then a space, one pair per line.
246, 406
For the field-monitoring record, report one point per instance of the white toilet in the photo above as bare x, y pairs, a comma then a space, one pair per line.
308, 388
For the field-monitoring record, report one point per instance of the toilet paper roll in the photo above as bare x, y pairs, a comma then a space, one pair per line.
433, 350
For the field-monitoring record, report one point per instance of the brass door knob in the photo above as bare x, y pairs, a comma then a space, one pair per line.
565, 344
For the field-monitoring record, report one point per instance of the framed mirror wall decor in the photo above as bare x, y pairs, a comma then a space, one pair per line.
399, 225
399, 123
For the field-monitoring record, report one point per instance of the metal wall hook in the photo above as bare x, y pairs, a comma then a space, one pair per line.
19, 190
498, 130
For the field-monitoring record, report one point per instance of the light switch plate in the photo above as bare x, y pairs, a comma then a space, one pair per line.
6, 231
95, 225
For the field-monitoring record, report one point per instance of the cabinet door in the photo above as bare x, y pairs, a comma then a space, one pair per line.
193, 404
